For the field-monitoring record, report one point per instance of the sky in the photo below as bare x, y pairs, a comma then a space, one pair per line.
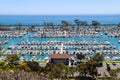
59, 7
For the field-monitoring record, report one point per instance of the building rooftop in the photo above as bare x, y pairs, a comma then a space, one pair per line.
59, 56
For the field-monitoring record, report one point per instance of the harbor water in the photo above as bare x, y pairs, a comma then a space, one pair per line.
42, 54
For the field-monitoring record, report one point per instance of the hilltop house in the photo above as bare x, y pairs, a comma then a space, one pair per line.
64, 58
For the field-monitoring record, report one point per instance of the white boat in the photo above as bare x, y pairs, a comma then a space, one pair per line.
11, 46
118, 41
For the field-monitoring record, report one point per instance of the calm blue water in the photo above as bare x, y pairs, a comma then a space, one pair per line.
39, 19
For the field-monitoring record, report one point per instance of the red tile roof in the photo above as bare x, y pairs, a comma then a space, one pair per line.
59, 56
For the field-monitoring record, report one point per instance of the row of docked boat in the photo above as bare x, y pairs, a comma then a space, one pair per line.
67, 45
54, 47
115, 32
61, 33
42, 52
12, 34
3, 42
37, 55
70, 42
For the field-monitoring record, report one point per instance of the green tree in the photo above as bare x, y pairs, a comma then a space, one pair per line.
33, 65
77, 22
72, 70
82, 69
88, 68
95, 23
91, 66
50, 70
2, 63
12, 59
60, 70
98, 57
80, 56
65, 24
9, 67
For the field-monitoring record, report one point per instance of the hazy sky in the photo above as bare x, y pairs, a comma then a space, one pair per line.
59, 6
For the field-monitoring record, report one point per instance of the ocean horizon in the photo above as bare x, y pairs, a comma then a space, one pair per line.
39, 19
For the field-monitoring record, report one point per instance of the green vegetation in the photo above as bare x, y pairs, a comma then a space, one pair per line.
110, 62
12, 59
113, 73
1, 53
58, 71
80, 23
64, 23
86, 70
80, 56
98, 57
95, 23
54, 71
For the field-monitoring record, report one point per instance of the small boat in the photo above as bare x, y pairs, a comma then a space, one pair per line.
119, 41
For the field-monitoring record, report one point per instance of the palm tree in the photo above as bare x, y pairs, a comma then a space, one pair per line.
65, 24
95, 24
78, 23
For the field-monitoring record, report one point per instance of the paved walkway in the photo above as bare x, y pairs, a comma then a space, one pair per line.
103, 70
